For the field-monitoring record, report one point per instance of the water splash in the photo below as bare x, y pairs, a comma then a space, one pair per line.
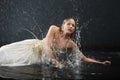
31, 33
74, 61
71, 62
78, 32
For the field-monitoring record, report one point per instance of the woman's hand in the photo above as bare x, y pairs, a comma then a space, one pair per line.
57, 64
106, 62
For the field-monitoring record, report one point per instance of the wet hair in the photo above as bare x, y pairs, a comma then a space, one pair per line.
66, 19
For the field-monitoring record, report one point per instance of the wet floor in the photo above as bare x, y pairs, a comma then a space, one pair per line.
86, 71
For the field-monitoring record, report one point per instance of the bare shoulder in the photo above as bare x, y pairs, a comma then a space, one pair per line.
54, 27
72, 43
52, 31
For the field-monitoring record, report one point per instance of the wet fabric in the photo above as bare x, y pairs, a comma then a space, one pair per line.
20, 53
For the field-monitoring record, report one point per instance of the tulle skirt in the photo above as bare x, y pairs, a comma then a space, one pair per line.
21, 53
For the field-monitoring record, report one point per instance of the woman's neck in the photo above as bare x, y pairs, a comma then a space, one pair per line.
64, 35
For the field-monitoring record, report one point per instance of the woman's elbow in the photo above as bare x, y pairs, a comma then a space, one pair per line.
84, 58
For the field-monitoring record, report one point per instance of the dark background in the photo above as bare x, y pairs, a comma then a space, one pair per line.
98, 21
97, 28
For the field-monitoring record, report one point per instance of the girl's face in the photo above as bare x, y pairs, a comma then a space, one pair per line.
68, 26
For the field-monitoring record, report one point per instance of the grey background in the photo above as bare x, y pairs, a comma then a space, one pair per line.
98, 21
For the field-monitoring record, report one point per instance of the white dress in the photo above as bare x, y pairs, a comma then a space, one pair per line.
27, 52
21, 53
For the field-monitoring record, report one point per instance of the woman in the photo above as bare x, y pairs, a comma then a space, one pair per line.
34, 51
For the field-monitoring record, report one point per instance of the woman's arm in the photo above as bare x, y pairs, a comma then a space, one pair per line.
48, 43
84, 58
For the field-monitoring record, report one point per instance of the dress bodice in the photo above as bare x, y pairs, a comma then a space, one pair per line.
62, 54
